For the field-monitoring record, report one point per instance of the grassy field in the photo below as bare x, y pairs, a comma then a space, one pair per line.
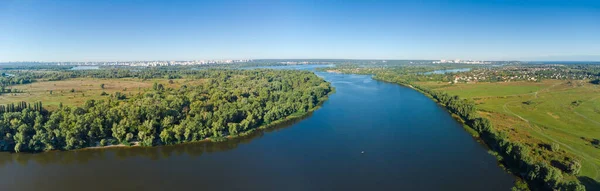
535, 113
85, 88
487, 89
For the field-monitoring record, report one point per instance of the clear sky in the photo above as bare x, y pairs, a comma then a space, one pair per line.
110, 30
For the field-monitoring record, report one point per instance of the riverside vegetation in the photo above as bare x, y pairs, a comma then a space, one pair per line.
164, 106
560, 156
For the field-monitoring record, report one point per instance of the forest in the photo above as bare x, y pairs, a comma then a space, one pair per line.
228, 103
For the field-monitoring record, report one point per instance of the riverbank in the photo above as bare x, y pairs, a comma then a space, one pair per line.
513, 157
541, 114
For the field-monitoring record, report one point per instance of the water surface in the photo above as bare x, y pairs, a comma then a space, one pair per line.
85, 68
368, 135
448, 71
292, 67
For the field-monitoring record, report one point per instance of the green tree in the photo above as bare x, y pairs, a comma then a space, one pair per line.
574, 167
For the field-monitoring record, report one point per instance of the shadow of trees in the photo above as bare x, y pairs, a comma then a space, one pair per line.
589, 183
193, 149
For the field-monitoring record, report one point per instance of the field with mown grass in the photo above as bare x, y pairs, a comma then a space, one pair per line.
540, 113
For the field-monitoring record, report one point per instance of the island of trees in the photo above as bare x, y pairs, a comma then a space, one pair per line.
220, 103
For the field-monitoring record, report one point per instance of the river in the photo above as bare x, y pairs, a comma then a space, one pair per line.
85, 68
448, 71
368, 135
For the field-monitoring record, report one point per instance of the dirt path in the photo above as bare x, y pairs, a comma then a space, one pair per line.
585, 117
505, 107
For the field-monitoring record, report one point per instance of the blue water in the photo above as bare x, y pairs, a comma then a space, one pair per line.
85, 68
448, 71
292, 67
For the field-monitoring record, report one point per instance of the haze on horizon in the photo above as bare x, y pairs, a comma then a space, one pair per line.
80, 30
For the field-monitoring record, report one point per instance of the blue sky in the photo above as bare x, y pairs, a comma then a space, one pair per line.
82, 30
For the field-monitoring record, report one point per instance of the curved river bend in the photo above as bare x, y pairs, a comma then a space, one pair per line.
409, 143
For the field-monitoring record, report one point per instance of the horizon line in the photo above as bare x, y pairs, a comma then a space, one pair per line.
305, 59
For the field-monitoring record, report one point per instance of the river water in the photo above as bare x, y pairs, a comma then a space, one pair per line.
448, 71
368, 135
85, 68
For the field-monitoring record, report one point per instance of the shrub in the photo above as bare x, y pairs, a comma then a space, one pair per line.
554, 147
574, 167
529, 102
572, 186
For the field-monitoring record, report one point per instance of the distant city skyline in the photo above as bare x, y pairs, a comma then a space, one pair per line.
574, 58
79, 30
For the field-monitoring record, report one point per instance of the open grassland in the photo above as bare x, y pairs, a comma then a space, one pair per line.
481, 90
537, 113
52, 93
